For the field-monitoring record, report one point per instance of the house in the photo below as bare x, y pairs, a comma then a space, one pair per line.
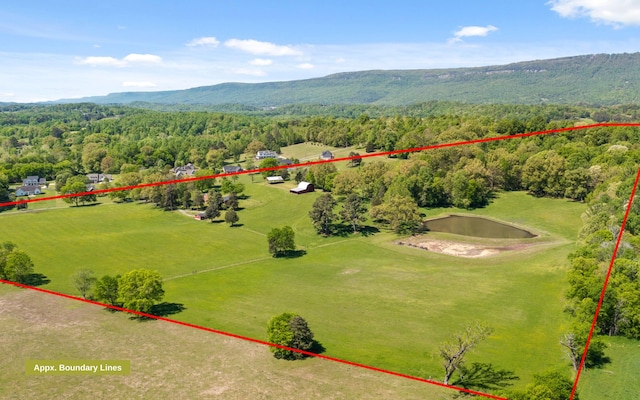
326, 155
31, 185
303, 187
28, 190
274, 179
262, 154
185, 170
230, 169
99, 178
284, 161
34, 181
200, 217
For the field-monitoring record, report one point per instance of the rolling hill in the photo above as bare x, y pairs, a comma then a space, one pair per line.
601, 79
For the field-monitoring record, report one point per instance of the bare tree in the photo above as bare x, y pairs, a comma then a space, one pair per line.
455, 349
573, 349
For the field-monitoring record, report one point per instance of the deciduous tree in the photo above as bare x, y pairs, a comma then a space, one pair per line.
290, 330
140, 289
18, 266
353, 211
281, 240
454, 350
83, 280
322, 214
106, 289
231, 217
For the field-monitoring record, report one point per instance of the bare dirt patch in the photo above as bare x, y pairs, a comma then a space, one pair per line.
461, 249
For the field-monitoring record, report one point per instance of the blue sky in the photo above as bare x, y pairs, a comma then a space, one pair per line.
67, 49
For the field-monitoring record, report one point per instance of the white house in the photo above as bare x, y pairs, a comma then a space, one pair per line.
28, 190
262, 154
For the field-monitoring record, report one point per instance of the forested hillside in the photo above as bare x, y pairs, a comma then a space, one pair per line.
602, 79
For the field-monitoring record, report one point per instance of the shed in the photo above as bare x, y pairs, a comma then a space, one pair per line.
274, 179
303, 187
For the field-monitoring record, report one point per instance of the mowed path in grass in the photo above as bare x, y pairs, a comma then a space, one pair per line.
366, 299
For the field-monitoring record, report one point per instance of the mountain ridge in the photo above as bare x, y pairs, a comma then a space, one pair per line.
595, 79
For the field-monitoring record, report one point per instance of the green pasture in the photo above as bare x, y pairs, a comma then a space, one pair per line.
367, 299
617, 380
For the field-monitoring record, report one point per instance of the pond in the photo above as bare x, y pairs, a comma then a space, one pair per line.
476, 226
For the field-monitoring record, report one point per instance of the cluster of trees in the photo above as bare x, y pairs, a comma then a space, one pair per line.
84, 139
15, 265
324, 219
620, 311
138, 289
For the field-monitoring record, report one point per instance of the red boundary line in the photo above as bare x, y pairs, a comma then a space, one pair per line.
248, 339
415, 149
604, 287
309, 163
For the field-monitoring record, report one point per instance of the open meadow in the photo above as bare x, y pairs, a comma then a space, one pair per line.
167, 360
367, 299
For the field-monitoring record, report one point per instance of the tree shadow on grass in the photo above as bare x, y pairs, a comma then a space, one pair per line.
484, 376
237, 225
344, 230
317, 348
36, 280
292, 254
163, 309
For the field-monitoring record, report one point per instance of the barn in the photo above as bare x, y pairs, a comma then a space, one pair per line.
303, 187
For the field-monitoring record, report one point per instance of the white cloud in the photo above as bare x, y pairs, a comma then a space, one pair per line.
209, 41
305, 66
138, 84
266, 48
611, 12
101, 61
114, 62
469, 31
248, 71
145, 58
340, 60
261, 62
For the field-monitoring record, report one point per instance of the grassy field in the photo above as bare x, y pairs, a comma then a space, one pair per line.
311, 151
617, 380
167, 361
367, 299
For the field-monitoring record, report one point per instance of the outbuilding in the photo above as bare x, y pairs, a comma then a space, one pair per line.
303, 187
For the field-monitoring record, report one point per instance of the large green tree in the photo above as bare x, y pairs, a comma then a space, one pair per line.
74, 185
289, 330
231, 217
353, 211
18, 266
5, 249
106, 289
140, 289
281, 240
322, 214
400, 213
214, 205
